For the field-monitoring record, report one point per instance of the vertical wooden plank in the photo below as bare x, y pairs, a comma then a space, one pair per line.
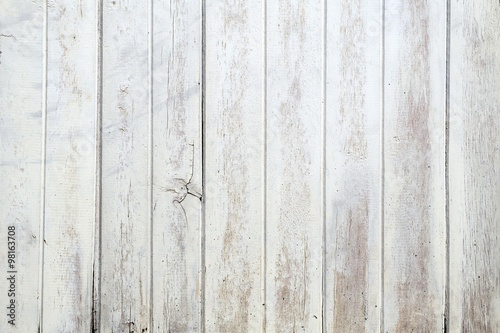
126, 232
414, 249
21, 73
474, 167
70, 167
353, 173
294, 165
233, 162
176, 165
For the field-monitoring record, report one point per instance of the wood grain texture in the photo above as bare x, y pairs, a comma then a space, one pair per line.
474, 164
233, 166
176, 166
353, 172
294, 166
126, 208
414, 218
70, 167
21, 145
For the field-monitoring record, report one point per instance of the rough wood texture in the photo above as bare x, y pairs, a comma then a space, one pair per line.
70, 167
353, 173
233, 166
294, 169
21, 135
474, 162
350, 153
176, 166
414, 151
126, 207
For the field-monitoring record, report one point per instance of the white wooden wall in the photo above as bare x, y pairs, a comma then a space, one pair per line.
250, 166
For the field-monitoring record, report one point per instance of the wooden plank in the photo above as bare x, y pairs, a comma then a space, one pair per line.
474, 165
126, 208
70, 167
353, 173
414, 131
294, 165
233, 166
176, 166
21, 124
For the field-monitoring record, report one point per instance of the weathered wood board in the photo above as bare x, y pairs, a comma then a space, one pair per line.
414, 223
22, 179
267, 166
233, 166
125, 159
353, 173
69, 172
474, 167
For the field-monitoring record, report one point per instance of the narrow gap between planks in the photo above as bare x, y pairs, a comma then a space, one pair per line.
446, 310
382, 162
323, 167
97, 237
203, 166
150, 160
43, 163
264, 172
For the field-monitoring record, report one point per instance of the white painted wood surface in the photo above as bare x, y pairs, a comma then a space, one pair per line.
125, 206
353, 167
233, 166
274, 166
414, 223
294, 109
474, 161
176, 166
69, 205
22, 113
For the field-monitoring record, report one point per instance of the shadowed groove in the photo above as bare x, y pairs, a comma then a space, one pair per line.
203, 167
323, 168
264, 171
43, 166
446, 310
97, 239
382, 164
150, 160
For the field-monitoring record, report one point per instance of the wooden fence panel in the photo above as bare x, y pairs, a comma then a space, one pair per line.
268, 166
